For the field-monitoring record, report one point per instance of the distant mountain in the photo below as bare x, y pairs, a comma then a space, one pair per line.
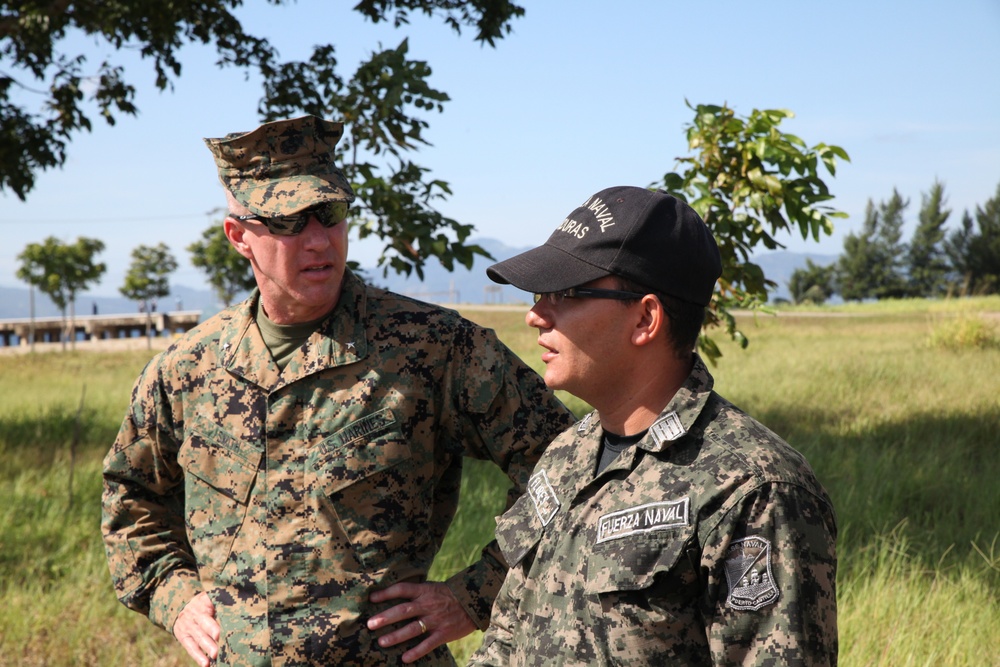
461, 286
16, 302
465, 286
439, 286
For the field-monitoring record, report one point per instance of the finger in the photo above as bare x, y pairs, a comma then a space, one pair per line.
396, 591
194, 649
393, 615
420, 650
403, 634
197, 641
211, 628
197, 630
396, 613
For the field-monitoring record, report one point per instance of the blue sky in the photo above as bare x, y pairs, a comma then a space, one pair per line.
581, 96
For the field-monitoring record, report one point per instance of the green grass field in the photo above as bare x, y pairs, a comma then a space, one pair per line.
897, 405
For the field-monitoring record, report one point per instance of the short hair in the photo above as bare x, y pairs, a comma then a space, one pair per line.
234, 206
686, 318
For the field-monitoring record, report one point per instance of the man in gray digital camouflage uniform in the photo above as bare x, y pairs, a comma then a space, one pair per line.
287, 471
667, 527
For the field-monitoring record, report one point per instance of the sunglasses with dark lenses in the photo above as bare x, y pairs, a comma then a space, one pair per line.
555, 298
328, 214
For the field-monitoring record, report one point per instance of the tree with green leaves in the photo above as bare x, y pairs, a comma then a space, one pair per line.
890, 281
871, 266
750, 182
382, 103
857, 265
985, 247
146, 279
812, 284
974, 249
956, 248
229, 272
61, 271
926, 263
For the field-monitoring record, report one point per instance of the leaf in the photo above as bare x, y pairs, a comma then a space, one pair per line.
743, 174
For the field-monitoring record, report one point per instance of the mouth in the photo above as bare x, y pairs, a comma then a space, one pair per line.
317, 268
549, 354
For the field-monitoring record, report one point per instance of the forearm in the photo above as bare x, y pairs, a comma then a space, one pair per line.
498, 642
151, 566
142, 522
476, 586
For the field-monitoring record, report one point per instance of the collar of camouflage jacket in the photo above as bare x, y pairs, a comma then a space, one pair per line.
339, 340
679, 415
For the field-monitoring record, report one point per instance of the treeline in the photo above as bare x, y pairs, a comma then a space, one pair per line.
62, 270
937, 261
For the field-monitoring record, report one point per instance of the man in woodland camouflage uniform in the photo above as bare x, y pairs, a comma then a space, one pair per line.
287, 471
667, 527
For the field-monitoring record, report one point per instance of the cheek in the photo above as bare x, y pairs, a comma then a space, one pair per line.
599, 348
339, 236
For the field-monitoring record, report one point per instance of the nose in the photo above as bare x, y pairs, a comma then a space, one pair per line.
315, 235
539, 316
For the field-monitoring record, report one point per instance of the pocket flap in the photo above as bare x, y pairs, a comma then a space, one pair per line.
228, 472
632, 563
519, 530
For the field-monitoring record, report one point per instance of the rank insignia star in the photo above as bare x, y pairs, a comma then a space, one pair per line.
350, 345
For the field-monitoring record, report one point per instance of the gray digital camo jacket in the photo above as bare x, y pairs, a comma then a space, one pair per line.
291, 495
710, 542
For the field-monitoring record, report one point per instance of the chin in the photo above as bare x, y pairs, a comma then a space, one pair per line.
553, 382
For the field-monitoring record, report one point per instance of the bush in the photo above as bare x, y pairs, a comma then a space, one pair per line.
966, 332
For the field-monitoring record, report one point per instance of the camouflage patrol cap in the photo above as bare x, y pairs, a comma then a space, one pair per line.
282, 167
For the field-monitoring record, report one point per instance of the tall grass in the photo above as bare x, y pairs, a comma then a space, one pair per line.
902, 432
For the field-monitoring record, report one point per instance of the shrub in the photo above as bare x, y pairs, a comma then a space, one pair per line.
965, 332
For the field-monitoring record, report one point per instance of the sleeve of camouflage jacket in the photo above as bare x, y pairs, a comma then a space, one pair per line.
498, 642
151, 563
800, 626
503, 413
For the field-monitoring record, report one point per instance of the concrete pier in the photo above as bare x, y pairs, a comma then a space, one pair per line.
96, 327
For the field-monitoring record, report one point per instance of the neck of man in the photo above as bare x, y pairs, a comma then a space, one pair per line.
295, 314
636, 403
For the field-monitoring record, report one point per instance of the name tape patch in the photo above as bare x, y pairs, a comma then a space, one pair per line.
642, 519
543, 496
367, 426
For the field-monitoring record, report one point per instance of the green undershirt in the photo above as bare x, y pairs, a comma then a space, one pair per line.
284, 339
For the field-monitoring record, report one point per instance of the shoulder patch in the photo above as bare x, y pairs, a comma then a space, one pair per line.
748, 571
543, 496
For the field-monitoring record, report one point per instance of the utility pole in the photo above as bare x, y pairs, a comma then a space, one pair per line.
31, 315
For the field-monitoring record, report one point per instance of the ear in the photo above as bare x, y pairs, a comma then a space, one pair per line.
236, 233
651, 323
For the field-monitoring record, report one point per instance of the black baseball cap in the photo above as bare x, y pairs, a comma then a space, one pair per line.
649, 237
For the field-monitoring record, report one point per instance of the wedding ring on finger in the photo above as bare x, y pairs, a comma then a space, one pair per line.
423, 628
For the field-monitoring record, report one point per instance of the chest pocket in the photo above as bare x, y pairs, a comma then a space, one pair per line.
644, 590
633, 563
371, 480
218, 481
